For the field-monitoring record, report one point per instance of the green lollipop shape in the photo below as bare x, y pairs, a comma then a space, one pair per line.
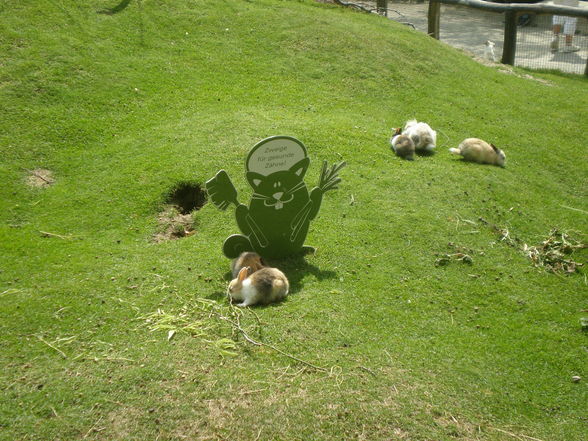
275, 223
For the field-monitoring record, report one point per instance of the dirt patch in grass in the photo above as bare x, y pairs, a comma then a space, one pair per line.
176, 220
40, 178
508, 70
121, 423
173, 224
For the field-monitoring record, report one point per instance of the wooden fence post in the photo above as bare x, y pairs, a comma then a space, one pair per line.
433, 18
510, 38
382, 7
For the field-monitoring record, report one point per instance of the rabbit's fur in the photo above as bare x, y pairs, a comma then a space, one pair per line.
477, 150
247, 259
402, 145
489, 50
423, 136
264, 286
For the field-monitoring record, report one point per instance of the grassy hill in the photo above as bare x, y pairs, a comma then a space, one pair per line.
108, 335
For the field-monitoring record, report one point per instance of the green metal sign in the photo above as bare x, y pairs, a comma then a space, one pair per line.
276, 221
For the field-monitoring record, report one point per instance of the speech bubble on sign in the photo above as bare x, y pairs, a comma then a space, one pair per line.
274, 154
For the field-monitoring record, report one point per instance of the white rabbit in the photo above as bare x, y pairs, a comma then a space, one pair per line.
423, 136
402, 145
489, 50
264, 286
477, 150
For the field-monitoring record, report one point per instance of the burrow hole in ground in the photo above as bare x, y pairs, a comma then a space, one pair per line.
177, 218
186, 196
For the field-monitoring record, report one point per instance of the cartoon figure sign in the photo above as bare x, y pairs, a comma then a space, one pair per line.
276, 221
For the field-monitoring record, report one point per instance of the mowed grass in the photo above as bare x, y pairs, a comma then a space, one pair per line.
123, 107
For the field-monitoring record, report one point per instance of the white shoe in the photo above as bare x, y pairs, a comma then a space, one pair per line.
554, 45
570, 48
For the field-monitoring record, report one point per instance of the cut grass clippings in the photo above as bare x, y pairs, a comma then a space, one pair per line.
206, 320
554, 254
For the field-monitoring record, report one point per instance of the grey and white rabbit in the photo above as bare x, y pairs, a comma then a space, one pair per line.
423, 136
402, 145
247, 259
477, 150
264, 286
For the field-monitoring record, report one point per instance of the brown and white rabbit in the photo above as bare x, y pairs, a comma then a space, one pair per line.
402, 145
247, 259
477, 150
264, 286
423, 136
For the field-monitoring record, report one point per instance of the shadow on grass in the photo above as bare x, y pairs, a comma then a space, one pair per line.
218, 296
424, 153
118, 8
297, 267
467, 163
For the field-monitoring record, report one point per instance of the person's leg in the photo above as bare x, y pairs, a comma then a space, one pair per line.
569, 30
557, 23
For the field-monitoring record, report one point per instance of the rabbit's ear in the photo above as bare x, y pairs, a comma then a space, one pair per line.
243, 274
496, 149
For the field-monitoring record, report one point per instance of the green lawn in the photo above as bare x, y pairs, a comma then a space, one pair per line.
376, 341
